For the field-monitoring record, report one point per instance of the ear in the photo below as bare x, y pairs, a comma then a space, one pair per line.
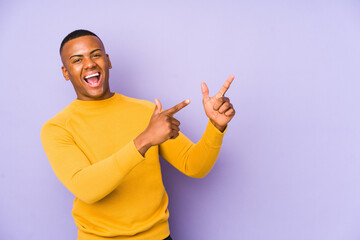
65, 73
107, 55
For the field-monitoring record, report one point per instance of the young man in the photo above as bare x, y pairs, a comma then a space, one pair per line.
104, 147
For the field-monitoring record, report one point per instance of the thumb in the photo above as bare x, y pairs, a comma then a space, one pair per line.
205, 91
158, 106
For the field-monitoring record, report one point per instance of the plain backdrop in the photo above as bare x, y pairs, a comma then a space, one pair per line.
290, 163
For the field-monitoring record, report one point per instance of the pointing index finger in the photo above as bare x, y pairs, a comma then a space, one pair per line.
176, 108
225, 87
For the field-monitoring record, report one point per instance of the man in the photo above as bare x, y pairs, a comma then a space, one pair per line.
104, 147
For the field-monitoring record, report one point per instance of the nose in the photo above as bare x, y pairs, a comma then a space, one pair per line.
89, 63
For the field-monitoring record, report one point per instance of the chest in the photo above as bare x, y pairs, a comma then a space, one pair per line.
99, 135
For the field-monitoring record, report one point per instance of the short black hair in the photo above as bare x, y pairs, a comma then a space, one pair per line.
76, 34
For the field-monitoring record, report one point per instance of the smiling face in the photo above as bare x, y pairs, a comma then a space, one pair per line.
87, 66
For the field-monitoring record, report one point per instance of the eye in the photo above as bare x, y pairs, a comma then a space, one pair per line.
96, 55
77, 60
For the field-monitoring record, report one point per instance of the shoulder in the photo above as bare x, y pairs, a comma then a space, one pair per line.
57, 122
138, 103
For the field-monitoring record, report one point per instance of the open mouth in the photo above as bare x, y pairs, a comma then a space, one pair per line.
93, 80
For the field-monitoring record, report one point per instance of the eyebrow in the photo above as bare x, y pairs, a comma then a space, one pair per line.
98, 49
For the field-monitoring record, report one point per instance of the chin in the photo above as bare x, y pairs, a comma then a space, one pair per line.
97, 95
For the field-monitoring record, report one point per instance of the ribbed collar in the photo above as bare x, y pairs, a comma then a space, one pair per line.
97, 103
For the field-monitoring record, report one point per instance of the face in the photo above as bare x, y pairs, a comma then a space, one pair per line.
86, 65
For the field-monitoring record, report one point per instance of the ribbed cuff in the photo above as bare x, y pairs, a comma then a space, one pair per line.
213, 136
128, 157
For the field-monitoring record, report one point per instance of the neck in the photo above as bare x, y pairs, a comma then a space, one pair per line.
102, 97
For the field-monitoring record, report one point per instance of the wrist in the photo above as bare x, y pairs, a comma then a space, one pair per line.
219, 127
142, 143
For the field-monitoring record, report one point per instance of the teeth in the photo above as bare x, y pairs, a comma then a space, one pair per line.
92, 75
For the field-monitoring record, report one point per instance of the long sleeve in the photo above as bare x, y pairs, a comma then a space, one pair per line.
118, 193
194, 160
88, 182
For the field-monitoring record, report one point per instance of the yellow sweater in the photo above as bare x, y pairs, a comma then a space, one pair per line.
119, 193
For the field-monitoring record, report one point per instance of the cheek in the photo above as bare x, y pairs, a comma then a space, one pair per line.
103, 63
75, 71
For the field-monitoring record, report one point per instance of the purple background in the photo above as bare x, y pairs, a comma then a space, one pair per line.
290, 162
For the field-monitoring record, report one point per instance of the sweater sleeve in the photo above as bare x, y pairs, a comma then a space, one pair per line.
194, 160
88, 182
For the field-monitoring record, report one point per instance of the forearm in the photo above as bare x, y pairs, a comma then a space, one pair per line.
203, 155
88, 181
94, 182
194, 160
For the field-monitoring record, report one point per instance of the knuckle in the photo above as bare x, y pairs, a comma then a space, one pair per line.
168, 131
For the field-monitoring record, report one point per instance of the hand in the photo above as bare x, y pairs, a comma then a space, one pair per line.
218, 108
162, 127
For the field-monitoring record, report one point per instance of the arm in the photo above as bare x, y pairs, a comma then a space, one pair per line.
88, 182
92, 182
194, 160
